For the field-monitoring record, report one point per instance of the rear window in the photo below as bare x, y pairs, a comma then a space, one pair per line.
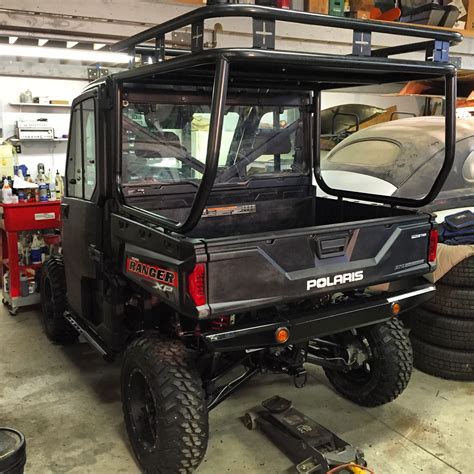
371, 153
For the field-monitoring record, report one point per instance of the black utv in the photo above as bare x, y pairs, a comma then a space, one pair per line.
194, 242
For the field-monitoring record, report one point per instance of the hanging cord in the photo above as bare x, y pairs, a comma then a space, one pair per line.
353, 467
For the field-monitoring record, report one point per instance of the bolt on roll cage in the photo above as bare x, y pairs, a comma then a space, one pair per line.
363, 60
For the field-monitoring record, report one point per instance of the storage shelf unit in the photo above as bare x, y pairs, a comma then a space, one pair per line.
32, 104
15, 218
17, 140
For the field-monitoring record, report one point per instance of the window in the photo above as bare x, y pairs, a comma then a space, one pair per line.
81, 166
74, 162
167, 143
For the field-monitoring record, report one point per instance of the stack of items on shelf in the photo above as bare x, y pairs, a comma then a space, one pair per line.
23, 189
34, 248
27, 98
447, 13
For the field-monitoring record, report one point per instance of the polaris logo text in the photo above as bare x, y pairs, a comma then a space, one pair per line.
326, 282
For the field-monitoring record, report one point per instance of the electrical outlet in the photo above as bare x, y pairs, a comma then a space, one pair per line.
17, 149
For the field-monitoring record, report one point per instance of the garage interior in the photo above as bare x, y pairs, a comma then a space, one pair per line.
66, 400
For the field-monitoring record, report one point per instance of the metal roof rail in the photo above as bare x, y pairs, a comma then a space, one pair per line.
264, 27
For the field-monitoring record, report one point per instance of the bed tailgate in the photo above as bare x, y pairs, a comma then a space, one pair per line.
248, 272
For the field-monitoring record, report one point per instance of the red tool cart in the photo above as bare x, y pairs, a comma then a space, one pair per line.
15, 219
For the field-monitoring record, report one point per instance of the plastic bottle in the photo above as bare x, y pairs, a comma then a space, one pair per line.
7, 195
47, 182
43, 190
59, 186
6, 283
24, 285
52, 186
36, 250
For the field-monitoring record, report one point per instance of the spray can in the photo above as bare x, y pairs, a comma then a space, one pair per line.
7, 194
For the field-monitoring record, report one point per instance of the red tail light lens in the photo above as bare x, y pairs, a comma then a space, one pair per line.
197, 284
433, 245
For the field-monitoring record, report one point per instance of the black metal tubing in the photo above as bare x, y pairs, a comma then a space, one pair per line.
212, 158
290, 16
450, 142
333, 122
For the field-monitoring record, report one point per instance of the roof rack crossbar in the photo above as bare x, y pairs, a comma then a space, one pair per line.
265, 18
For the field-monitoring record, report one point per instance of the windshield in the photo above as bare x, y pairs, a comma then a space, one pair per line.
167, 143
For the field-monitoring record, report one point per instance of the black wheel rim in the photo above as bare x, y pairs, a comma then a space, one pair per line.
142, 409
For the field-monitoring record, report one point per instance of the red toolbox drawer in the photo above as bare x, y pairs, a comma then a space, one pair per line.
30, 216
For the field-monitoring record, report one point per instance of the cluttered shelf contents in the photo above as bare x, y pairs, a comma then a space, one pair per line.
22, 188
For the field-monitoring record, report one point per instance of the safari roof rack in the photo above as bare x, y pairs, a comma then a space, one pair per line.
264, 32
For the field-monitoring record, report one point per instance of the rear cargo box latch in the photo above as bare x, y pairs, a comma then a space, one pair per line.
332, 246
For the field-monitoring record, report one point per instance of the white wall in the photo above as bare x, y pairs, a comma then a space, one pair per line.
52, 154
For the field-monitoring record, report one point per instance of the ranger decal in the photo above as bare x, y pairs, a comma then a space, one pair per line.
151, 272
325, 282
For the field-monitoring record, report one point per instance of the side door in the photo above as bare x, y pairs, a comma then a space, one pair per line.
81, 215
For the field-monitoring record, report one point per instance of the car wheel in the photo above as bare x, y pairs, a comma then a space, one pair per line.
164, 406
386, 373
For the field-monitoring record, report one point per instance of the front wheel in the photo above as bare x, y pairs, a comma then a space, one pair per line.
164, 405
386, 372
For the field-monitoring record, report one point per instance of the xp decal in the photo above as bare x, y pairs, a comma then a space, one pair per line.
152, 272
325, 282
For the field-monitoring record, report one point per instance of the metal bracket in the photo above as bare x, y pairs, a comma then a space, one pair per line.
160, 51
362, 43
197, 36
94, 73
438, 52
263, 34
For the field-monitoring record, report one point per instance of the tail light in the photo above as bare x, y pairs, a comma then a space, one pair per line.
285, 4
197, 284
433, 245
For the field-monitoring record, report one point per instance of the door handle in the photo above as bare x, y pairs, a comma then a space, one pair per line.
64, 210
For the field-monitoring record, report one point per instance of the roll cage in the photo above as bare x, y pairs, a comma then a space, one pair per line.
263, 66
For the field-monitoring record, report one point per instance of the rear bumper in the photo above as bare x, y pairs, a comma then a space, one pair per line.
330, 320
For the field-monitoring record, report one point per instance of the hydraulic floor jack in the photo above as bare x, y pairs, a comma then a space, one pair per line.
313, 448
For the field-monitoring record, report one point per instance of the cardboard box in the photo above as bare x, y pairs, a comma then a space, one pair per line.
318, 6
362, 14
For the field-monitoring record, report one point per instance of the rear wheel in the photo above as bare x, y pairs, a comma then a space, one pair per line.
164, 405
54, 303
385, 373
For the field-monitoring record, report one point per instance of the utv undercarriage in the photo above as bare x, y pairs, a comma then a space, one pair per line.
194, 242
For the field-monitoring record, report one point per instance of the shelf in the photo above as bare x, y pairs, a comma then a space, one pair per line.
32, 104
6, 263
17, 140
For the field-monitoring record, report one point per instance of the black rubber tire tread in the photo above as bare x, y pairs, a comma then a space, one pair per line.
392, 359
55, 325
461, 275
441, 330
182, 424
452, 301
442, 362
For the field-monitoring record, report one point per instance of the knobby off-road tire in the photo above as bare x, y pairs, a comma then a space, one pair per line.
442, 362
461, 275
386, 374
164, 406
452, 301
441, 330
54, 302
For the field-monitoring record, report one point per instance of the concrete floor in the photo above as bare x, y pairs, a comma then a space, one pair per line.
67, 403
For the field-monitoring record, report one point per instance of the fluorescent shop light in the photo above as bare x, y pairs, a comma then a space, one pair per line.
65, 54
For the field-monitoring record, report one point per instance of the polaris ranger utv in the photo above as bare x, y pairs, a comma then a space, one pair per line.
194, 242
